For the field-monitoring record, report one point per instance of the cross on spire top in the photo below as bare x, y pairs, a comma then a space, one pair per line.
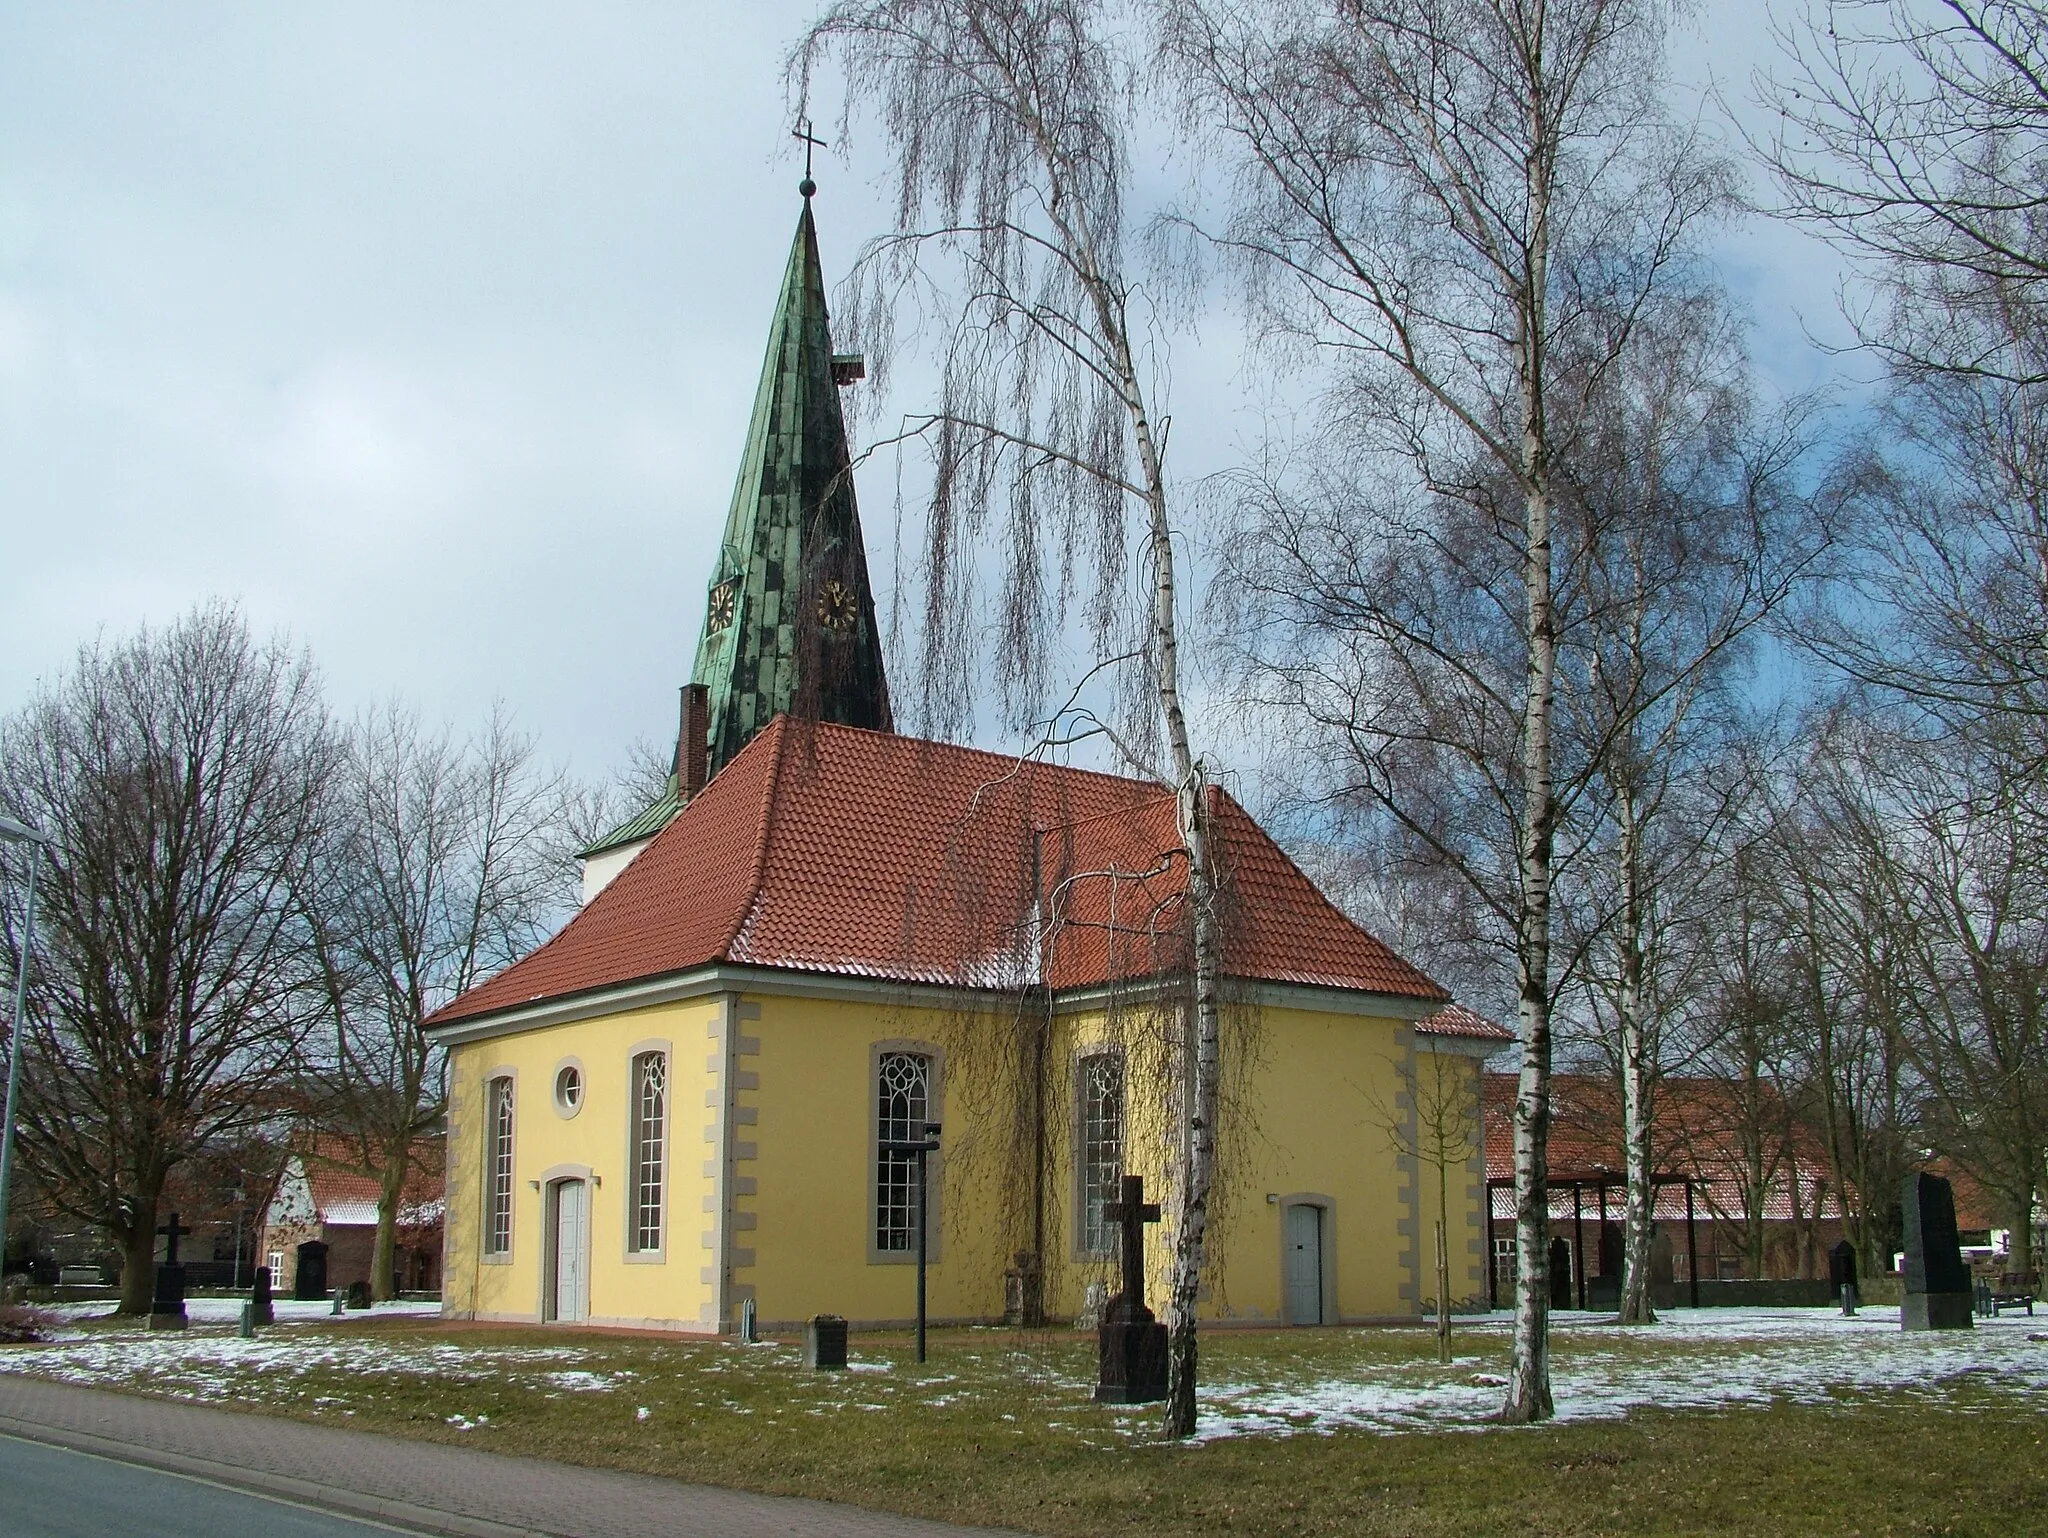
810, 142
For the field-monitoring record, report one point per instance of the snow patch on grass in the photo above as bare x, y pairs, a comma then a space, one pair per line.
1691, 1360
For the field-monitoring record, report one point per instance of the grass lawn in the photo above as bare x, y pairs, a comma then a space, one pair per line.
1307, 1431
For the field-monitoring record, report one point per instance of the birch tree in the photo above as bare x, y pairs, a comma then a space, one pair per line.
1464, 208
1006, 123
1693, 533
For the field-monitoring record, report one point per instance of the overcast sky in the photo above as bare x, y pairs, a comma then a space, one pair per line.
429, 332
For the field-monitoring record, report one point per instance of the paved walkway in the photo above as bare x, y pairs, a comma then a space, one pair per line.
424, 1486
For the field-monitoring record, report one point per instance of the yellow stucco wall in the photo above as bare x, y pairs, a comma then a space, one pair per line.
666, 1291
771, 1162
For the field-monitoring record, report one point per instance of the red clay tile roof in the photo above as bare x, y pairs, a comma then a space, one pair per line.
1457, 1020
343, 1192
1695, 1132
826, 848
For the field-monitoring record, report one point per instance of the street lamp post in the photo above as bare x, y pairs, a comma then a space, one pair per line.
17, 833
923, 1148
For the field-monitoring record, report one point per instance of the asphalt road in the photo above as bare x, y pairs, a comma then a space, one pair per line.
50, 1492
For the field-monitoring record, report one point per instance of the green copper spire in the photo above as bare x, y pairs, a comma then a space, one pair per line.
790, 625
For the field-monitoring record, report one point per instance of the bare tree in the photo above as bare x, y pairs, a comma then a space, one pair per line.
1954, 868
1006, 121
1440, 1125
1911, 132
1693, 534
1914, 133
181, 772
443, 861
1825, 940
1467, 208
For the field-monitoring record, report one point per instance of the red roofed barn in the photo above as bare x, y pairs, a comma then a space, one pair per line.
320, 1229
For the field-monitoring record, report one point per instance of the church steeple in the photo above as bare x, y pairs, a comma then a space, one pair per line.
790, 624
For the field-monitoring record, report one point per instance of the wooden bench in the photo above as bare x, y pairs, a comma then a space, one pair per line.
2014, 1289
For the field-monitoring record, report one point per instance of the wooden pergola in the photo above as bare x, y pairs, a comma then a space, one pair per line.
1600, 1183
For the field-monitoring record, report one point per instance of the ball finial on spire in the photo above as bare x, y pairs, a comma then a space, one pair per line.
806, 187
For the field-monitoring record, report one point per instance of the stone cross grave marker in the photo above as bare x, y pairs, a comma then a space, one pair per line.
167, 1298
1130, 1216
172, 1231
1130, 1344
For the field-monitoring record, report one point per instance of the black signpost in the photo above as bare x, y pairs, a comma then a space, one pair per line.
923, 1148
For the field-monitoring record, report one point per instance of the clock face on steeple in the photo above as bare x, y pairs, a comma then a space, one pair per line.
723, 599
838, 607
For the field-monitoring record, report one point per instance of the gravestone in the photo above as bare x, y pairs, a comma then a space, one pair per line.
1842, 1275
1024, 1293
1094, 1299
1130, 1343
1936, 1285
167, 1298
825, 1342
358, 1294
1663, 1268
309, 1278
1560, 1274
262, 1309
1612, 1259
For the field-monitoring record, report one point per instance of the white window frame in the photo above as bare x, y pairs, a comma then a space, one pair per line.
501, 1128
880, 1054
1094, 1238
648, 1149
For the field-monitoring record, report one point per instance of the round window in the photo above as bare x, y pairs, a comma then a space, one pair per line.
568, 1089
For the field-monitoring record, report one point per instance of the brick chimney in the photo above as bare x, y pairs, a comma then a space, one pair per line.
693, 742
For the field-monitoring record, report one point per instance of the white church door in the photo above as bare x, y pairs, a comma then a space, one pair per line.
568, 1299
1304, 1242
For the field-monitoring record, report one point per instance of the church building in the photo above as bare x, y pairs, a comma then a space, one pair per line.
826, 938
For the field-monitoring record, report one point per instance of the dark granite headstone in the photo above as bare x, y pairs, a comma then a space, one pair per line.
262, 1310
1842, 1266
1663, 1268
358, 1294
825, 1342
1612, 1259
309, 1279
167, 1298
1130, 1343
1935, 1289
1560, 1273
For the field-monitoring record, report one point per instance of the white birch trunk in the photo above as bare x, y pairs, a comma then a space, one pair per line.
1528, 1395
1637, 1068
1203, 1042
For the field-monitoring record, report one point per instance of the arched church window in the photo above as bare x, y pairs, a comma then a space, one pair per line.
498, 1169
1101, 1124
904, 1105
650, 1148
